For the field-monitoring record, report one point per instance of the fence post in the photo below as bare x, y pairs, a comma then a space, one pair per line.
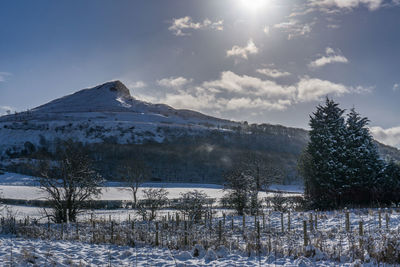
112, 231
380, 218
361, 233
263, 220
282, 226
93, 228
219, 231
305, 233
311, 222
186, 234
156, 241
258, 239
347, 220
316, 220
77, 230
62, 230
387, 221
244, 223
289, 221
177, 219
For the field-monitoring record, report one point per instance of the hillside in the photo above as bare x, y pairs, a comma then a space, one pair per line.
179, 145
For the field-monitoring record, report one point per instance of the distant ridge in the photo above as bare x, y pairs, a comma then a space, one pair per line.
180, 145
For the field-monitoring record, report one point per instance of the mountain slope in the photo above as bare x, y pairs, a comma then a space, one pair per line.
179, 145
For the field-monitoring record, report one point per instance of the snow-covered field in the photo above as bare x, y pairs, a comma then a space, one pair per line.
34, 252
18, 186
329, 242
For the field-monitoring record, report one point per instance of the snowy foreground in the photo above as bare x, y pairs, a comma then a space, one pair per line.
23, 252
117, 242
120, 237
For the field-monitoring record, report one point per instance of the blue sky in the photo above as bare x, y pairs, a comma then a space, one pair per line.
255, 60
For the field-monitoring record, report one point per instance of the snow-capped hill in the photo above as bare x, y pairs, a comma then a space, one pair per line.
114, 97
104, 113
110, 96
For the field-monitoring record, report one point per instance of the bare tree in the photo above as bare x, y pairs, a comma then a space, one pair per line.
134, 173
193, 204
238, 186
252, 173
69, 183
154, 200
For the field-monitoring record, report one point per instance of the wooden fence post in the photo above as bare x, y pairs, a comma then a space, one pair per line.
305, 233
112, 232
380, 218
219, 231
62, 230
244, 223
361, 233
156, 241
347, 220
316, 220
387, 220
186, 234
263, 220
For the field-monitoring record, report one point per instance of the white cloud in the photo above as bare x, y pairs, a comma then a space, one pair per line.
179, 25
248, 85
232, 91
266, 30
6, 109
257, 103
4, 75
331, 56
333, 26
243, 52
295, 28
396, 87
273, 73
310, 89
301, 12
137, 84
193, 98
173, 82
346, 4
390, 136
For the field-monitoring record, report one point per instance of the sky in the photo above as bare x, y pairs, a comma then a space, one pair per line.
261, 61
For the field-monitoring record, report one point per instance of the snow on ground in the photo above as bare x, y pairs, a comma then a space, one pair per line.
18, 186
34, 252
10, 178
287, 188
117, 193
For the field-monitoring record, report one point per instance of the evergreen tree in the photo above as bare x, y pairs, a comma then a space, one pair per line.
326, 151
389, 185
364, 166
341, 165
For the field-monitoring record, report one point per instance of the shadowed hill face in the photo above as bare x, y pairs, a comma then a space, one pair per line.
114, 96
111, 96
115, 86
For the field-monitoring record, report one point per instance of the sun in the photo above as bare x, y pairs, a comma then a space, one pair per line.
253, 5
